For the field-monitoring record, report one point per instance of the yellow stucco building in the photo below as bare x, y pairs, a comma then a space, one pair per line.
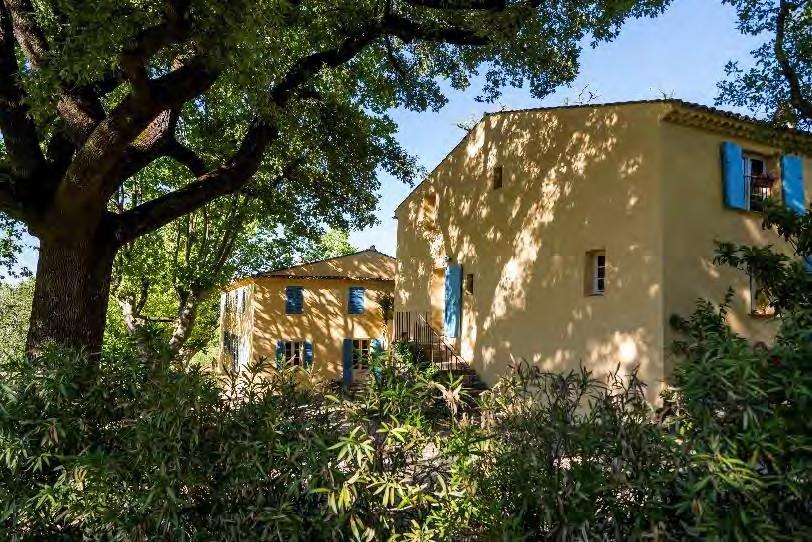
570, 235
326, 314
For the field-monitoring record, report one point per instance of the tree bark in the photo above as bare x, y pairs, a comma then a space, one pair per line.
71, 293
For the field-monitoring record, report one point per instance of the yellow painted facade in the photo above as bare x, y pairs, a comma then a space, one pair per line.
325, 320
640, 181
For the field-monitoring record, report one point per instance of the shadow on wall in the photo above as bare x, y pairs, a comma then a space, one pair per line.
573, 181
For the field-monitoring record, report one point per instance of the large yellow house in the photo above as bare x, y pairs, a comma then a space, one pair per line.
570, 235
326, 314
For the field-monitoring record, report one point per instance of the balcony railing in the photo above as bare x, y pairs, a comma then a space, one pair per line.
426, 343
760, 189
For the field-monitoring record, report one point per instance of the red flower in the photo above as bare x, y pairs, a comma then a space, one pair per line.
775, 359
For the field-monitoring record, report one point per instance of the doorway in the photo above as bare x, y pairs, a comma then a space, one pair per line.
437, 297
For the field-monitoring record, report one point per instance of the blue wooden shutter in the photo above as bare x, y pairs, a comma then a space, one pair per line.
356, 300
733, 176
453, 291
792, 186
792, 183
308, 354
294, 300
346, 357
280, 353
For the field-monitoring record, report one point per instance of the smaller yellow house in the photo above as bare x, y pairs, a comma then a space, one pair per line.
326, 315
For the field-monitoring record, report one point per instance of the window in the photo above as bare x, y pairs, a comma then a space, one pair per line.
360, 352
496, 177
757, 181
355, 300
596, 272
294, 300
760, 300
469, 283
294, 353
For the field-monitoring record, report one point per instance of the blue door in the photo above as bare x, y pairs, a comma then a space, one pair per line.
346, 359
453, 304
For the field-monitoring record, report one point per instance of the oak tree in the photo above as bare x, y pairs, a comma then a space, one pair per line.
94, 93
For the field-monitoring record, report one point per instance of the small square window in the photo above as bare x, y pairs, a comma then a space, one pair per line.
595, 272
496, 177
760, 300
469, 283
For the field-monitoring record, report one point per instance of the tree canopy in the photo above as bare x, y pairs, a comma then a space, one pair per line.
779, 85
120, 117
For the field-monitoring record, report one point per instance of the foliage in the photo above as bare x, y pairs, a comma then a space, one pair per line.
122, 118
15, 306
11, 245
332, 244
779, 84
411, 455
743, 408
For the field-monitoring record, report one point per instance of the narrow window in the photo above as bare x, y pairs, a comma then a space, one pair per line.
596, 272
469, 283
360, 352
760, 300
294, 300
758, 182
496, 177
294, 353
355, 300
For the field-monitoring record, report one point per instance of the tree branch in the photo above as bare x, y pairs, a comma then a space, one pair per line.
186, 156
409, 30
239, 170
801, 104
173, 29
459, 4
90, 173
16, 123
28, 32
224, 180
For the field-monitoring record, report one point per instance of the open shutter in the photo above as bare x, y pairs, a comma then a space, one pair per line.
280, 353
453, 292
356, 300
733, 176
308, 354
792, 183
792, 187
346, 358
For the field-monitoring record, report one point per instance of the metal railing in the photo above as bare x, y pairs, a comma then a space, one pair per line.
760, 188
426, 343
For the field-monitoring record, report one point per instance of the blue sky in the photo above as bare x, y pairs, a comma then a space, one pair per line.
681, 53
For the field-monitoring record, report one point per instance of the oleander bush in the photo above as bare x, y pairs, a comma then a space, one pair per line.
124, 448
149, 450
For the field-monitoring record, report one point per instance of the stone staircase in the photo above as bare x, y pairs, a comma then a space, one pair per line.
433, 354
430, 347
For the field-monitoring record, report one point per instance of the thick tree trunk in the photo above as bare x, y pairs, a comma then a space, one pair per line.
71, 293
